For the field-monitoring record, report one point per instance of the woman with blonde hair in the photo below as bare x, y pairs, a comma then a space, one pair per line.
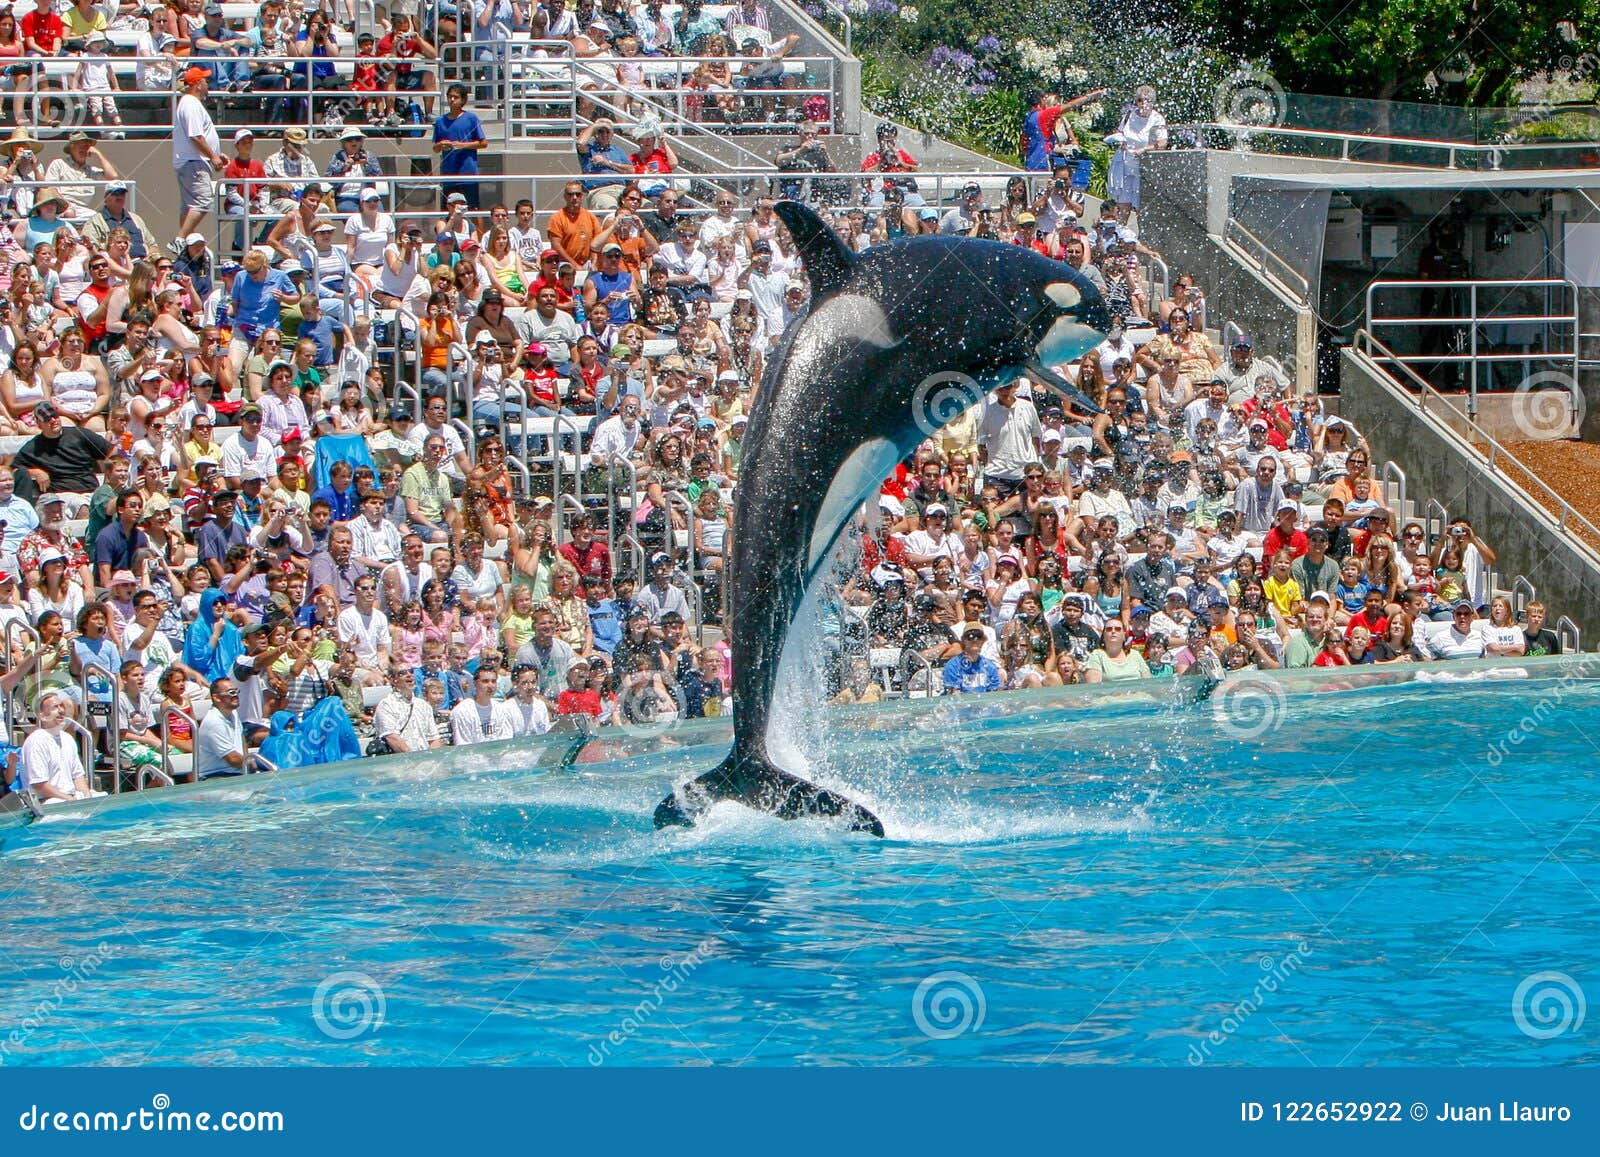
502, 265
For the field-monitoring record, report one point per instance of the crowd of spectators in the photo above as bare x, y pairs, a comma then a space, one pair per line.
218, 512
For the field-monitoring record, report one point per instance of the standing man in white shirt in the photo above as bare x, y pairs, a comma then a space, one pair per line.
196, 153
767, 278
1008, 438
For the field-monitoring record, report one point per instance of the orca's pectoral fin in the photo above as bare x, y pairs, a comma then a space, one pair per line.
766, 789
1060, 385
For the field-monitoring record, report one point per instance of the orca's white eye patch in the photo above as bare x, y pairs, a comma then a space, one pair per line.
1063, 293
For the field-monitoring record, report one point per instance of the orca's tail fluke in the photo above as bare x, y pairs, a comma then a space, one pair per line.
757, 784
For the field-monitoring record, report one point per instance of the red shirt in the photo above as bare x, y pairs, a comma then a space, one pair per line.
595, 560
407, 48
899, 161
234, 171
1378, 627
542, 386
1276, 541
44, 30
652, 162
571, 702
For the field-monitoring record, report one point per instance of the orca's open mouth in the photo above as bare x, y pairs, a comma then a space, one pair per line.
1079, 326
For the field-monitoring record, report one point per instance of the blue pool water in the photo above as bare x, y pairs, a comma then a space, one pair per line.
1318, 877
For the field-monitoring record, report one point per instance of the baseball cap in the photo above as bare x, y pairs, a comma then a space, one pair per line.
658, 558
117, 187
398, 412
1463, 605
1287, 505
1319, 596
124, 576
243, 135
613, 247
1177, 593
47, 409
371, 194
194, 239
974, 632
1258, 423
51, 554
928, 213
936, 508
249, 410
761, 247
1026, 219
194, 74
456, 199
537, 348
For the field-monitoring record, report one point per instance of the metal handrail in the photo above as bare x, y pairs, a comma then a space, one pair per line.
558, 526
1261, 253
111, 723
684, 125
1431, 510
29, 631
1391, 472
930, 688
1566, 628
1522, 593
1495, 155
166, 739
837, 11
98, 184
1363, 345
636, 551
1231, 330
1474, 319
691, 521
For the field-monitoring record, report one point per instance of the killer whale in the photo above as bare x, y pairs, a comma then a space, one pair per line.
897, 342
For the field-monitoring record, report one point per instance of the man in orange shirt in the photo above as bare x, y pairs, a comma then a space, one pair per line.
573, 228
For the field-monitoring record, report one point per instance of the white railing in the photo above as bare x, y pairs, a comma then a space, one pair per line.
1431, 153
1267, 262
1477, 445
1475, 318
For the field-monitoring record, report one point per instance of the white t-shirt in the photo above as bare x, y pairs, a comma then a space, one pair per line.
52, 759
470, 723
237, 454
192, 120
398, 284
1009, 437
367, 633
532, 718
369, 242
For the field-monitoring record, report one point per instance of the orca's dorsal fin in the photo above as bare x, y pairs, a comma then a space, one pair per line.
828, 263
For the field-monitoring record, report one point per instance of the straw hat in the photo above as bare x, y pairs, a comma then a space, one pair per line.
47, 194
19, 139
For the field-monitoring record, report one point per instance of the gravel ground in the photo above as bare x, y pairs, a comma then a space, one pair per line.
1570, 468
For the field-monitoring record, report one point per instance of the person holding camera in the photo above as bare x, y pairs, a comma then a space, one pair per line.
402, 261
355, 167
